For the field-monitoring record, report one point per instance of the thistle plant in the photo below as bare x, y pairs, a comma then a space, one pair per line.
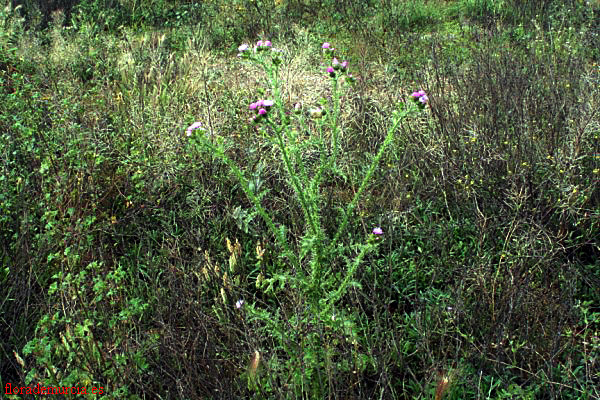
310, 263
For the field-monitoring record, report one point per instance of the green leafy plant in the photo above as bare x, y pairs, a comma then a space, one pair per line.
306, 266
455, 260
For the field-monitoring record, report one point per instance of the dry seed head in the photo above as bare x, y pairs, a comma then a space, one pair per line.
237, 249
259, 280
260, 252
442, 386
19, 359
254, 363
235, 252
232, 262
226, 281
207, 257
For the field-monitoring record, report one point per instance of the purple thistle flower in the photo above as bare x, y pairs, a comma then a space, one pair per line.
262, 45
419, 94
239, 304
192, 128
260, 107
327, 49
420, 97
337, 65
378, 231
344, 65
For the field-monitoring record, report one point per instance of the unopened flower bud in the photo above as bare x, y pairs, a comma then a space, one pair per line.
317, 113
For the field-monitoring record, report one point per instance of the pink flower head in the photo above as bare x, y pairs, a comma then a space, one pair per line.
420, 98
262, 45
261, 108
419, 94
331, 72
192, 128
327, 49
243, 49
378, 231
239, 304
339, 65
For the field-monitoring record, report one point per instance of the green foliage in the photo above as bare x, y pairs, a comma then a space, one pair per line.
241, 264
406, 16
74, 345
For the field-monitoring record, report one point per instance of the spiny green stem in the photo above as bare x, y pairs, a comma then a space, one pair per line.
365, 248
366, 179
307, 208
334, 126
254, 199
